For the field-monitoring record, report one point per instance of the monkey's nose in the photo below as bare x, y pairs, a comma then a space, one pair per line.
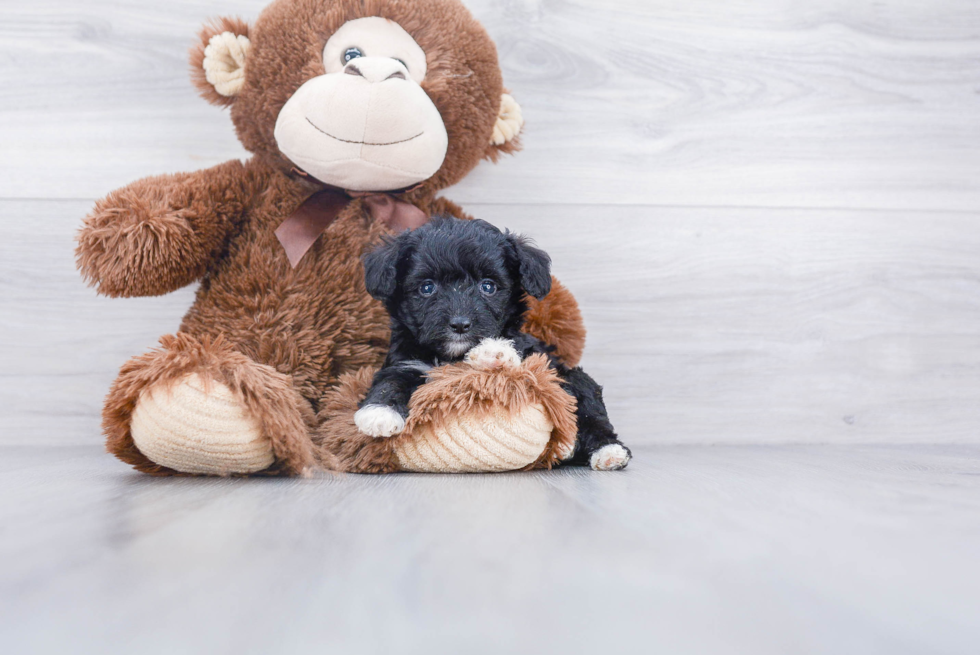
376, 69
460, 324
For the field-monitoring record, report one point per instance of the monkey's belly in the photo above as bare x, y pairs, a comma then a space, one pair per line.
501, 441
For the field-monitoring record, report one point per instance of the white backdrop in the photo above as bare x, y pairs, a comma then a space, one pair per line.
769, 212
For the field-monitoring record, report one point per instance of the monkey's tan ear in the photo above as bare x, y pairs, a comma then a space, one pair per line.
218, 60
507, 128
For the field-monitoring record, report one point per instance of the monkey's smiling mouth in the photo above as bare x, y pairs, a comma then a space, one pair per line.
365, 143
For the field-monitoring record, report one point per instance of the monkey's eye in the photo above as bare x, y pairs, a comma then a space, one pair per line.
427, 289
351, 53
489, 287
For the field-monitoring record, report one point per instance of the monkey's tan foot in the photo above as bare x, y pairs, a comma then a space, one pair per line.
197, 425
200, 407
497, 440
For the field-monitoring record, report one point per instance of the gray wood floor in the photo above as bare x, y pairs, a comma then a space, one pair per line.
693, 549
770, 213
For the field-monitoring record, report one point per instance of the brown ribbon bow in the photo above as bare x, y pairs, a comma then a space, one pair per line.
299, 232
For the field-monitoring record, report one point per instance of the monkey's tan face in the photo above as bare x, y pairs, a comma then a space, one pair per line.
367, 124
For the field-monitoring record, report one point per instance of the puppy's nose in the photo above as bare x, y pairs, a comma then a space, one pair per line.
460, 324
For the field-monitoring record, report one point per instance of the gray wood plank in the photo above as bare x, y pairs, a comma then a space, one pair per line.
693, 549
706, 326
772, 103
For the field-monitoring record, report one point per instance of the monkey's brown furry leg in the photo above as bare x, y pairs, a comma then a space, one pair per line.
201, 407
462, 419
340, 445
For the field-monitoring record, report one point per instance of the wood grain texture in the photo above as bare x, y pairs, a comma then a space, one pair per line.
747, 549
772, 103
705, 326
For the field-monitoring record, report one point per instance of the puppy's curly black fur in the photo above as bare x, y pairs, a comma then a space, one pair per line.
449, 285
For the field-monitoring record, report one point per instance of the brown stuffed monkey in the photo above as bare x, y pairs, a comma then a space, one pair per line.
356, 112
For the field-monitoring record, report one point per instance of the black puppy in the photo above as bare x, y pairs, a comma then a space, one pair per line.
455, 287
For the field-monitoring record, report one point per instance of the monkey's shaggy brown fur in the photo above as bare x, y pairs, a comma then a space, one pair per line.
283, 339
284, 415
556, 320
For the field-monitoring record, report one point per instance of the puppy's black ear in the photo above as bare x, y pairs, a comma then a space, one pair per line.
381, 269
534, 266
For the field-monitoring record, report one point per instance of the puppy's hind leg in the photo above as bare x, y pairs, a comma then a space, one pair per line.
597, 445
611, 457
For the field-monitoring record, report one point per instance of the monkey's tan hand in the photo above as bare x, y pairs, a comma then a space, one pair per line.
160, 233
493, 354
137, 249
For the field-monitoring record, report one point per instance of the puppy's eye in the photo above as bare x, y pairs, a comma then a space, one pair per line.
427, 289
401, 62
351, 53
489, 287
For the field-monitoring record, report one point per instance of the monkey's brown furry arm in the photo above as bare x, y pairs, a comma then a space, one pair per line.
557, 320
160, 233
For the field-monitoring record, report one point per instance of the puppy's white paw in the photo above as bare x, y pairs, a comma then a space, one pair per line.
565, 452
610, 457
493, 353
379, 421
